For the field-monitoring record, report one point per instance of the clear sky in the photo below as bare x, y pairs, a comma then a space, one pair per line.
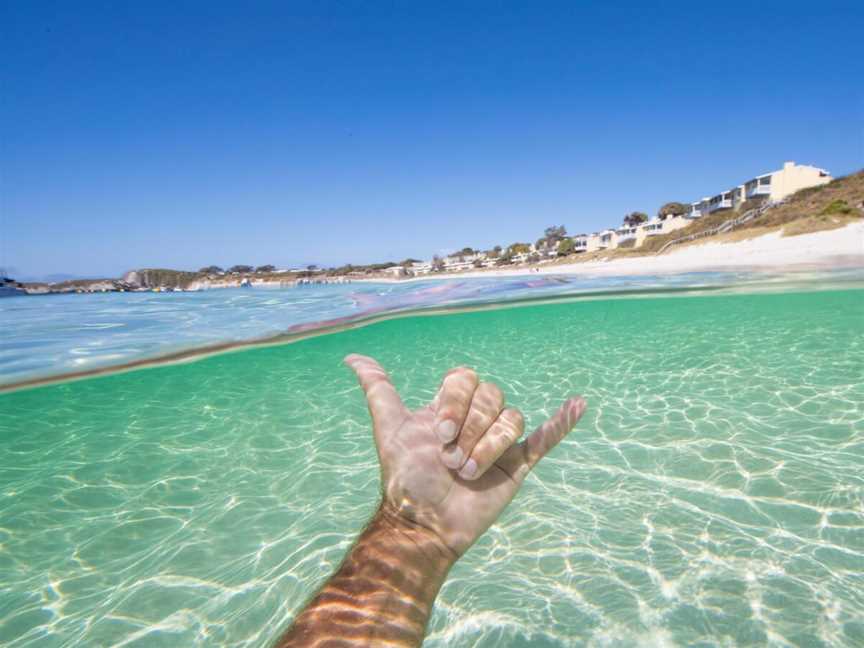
179, 134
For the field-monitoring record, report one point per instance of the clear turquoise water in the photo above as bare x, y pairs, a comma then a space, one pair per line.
57, 334
712, 495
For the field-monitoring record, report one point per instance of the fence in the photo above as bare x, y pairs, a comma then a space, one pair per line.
725, 226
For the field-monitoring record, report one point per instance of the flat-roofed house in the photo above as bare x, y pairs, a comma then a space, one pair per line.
720, 201
625, 233
660, 225
593, 242
608, 239
698, 209
580, 243
777, 185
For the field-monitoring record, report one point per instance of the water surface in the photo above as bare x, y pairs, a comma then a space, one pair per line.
44, 336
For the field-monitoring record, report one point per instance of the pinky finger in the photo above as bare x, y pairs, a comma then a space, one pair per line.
521, 458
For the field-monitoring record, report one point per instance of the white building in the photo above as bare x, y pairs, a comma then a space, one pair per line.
459, 262
698, 209
580, 242
420, 268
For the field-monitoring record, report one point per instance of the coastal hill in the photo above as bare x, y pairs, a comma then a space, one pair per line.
815, 209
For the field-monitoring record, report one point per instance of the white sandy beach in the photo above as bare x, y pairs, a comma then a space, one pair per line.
842, 247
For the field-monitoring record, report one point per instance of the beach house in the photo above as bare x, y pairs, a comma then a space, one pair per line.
580, 243
698, 209
777, 185
660, 225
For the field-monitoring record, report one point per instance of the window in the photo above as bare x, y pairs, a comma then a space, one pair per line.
765, 181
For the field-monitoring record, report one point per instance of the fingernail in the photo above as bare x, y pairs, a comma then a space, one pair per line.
469, 469
446, 431
452, 457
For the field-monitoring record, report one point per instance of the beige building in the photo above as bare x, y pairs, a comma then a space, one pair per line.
658, 225
777, 185
774, 187
605, 240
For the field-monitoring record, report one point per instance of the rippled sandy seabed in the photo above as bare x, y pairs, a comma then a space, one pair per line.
712, 494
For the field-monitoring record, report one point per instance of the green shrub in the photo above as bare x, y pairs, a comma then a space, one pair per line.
836, 207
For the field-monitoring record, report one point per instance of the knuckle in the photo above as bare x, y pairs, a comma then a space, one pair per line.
492, 392
509, 435
514, 419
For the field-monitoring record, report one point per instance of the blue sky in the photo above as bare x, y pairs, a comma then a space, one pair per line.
182, 134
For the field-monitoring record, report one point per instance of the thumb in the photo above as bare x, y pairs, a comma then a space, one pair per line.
521, 458
384, 403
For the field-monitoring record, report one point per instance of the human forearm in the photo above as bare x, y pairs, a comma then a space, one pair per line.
383, 592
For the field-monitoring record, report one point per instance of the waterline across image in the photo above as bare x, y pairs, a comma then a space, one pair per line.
60, 336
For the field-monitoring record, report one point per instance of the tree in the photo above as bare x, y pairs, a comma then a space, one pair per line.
407, 263
437, 263
519, 248
211, 269
566, 246
635, 218
240, 268
504, 259
673, 209
265, 268
467, 251
554, 233
551, 236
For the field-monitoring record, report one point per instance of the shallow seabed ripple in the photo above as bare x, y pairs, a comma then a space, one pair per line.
712, 495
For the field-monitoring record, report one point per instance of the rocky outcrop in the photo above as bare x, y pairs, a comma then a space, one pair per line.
159, 278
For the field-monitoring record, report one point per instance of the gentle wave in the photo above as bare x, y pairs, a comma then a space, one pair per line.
114, 329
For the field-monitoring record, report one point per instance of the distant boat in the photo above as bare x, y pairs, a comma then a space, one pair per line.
11, 288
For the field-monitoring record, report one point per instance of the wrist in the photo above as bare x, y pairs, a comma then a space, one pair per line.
423, 545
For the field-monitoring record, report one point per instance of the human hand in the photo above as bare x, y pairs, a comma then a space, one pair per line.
454, 465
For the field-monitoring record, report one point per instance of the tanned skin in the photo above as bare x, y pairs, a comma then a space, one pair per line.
447, 471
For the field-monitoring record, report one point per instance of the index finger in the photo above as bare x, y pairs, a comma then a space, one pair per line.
454, 401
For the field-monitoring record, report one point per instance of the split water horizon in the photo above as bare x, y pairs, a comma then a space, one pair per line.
711, 495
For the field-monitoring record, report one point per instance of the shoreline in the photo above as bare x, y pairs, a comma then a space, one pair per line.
842, 247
